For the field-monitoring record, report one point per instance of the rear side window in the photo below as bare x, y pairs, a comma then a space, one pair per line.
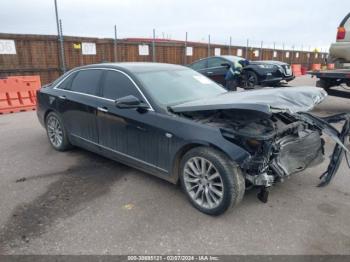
199, 65
67, 82
345, 22
86, 81
117, 85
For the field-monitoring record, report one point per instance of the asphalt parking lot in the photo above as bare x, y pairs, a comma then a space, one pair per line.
80, 203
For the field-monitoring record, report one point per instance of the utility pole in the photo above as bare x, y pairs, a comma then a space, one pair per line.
208, 45
185, 53
57, 22
63, 68
115, 44
60, 39
246, 49
154, 45
229, 47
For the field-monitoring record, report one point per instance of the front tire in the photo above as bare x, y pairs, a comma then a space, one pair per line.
56, 132
211, 181
250, 80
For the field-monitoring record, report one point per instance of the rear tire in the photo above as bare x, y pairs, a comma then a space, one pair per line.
212, 182
56, 132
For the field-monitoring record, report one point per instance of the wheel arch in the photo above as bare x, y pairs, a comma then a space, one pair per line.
184, 149
47, 112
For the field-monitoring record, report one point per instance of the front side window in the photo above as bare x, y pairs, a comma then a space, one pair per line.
117, 85
86, 81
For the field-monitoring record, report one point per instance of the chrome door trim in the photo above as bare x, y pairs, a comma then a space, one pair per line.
104, 110
121, 154
107, 99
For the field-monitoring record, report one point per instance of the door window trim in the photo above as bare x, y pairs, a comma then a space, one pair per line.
100, 97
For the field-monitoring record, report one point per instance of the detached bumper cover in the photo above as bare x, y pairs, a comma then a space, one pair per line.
340, 138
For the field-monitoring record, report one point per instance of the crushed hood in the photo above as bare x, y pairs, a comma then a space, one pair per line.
290, 99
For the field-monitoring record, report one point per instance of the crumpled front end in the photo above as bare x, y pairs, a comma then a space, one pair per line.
274, 127
279, 145
295, 153
300, 145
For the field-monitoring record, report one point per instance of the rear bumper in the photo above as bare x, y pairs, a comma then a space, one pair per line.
340, 50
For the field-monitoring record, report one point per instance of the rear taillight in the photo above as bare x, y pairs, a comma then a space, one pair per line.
341, 33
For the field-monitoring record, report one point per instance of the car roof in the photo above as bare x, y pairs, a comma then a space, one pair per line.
230, 58
137, 67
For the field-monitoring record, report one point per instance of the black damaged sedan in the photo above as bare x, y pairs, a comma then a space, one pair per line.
175, 123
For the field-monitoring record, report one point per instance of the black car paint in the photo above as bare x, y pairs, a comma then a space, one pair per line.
151, 140
265, 75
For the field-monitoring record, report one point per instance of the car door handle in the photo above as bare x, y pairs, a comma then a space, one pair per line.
62, 97
209, 73
103, 109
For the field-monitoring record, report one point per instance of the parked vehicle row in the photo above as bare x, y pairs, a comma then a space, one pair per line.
175, 123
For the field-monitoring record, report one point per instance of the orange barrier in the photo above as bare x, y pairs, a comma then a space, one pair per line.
330, 66
303, 70
296, 68
316, 67
18, 93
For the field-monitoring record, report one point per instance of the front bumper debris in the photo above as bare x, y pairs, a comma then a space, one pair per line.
341, 139
315, 144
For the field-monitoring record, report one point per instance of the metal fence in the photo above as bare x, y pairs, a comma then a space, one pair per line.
40, 54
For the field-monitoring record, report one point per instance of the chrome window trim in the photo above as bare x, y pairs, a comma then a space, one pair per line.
120, 153
100, 97
216, 67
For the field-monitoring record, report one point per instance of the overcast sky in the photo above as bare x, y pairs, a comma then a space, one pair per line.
307, 23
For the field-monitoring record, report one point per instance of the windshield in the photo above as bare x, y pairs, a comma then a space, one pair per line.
178, 86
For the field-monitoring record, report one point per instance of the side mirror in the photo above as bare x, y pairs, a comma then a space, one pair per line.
130, 102
227, 65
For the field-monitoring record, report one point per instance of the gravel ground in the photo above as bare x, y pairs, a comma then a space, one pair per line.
80, 203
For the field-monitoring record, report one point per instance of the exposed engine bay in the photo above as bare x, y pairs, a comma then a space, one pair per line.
280, 144
274, 126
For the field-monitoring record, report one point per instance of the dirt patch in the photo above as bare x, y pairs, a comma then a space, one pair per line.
76, 186
327, 208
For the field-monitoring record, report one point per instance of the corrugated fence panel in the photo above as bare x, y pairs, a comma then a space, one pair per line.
39, 54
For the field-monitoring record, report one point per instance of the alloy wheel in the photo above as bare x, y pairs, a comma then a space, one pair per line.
203, 182
54, 131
